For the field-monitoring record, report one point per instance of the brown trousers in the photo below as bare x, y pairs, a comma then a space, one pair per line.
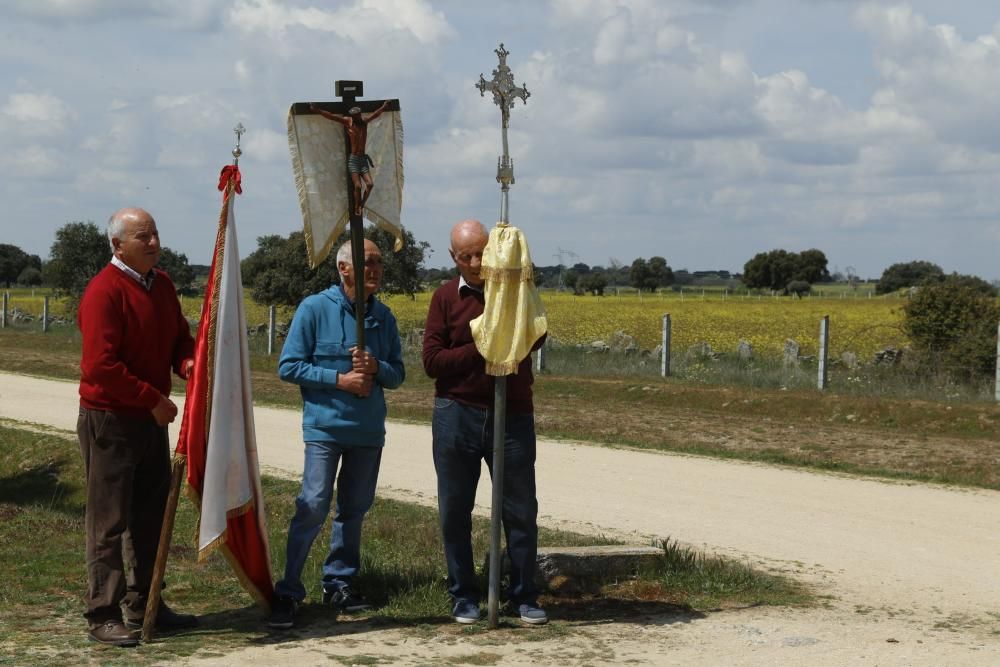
127, 464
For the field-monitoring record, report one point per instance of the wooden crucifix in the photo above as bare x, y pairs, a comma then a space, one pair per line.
314, 165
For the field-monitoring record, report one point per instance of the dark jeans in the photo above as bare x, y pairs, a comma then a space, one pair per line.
463, 437
127, 464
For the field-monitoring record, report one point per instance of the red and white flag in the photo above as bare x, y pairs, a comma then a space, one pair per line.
217, 432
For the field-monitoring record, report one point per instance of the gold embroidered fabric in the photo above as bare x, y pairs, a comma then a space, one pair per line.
319, 162
513, 318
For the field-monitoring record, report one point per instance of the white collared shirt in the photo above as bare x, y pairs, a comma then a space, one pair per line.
146, 281
462, 283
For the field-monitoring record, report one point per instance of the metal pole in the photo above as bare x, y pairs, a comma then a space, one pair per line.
824, 351
496, 511
504, 91
45, 314
665, 347
3, 313
271, 312
540, 360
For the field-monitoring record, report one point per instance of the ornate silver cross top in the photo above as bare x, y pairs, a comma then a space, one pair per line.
502, 86
240, 131
504, 93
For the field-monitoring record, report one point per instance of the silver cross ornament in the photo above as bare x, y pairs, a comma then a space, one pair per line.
502, 86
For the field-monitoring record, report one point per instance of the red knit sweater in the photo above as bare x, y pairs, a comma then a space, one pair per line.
451, 358
131, 339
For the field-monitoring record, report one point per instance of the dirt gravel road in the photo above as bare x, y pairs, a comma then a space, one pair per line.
912, 571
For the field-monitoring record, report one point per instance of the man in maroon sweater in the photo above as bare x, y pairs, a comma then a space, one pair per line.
133, 335
463, 436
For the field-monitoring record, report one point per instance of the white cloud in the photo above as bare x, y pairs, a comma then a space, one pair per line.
35, 114
68, 9
32, 162
127, 141
241, 70
933, 76
455, 150
671, 120
180, 14
264, 145
186, 114
364, 22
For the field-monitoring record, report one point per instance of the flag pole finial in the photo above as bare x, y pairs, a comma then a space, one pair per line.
240, 131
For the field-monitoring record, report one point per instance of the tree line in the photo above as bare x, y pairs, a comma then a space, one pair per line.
951, 319
277, 270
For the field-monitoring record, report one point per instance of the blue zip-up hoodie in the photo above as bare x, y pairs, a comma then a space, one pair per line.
318, 347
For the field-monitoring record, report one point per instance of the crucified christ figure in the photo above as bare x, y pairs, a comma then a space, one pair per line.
358, 162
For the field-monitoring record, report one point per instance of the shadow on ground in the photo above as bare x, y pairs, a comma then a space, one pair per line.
39, 484
248, 626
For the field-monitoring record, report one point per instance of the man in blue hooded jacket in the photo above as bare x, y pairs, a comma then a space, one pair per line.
343, 421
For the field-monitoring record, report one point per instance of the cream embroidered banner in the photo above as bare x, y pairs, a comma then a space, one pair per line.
319, 162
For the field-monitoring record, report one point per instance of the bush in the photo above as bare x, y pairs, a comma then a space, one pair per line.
799, 288
907, 274
29, 277
953, 324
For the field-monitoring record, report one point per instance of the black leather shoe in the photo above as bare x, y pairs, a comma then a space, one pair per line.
115, 633
167, 619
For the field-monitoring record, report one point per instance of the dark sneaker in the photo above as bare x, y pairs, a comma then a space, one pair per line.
345, 599
465, 612
282, 613
114, 633
166, 620
532, 614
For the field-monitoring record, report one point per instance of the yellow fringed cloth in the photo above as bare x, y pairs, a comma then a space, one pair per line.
513, 317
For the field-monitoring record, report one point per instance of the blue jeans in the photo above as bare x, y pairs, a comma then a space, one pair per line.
355, 495
463, 437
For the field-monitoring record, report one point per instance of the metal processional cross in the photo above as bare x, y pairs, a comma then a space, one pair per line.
504, 93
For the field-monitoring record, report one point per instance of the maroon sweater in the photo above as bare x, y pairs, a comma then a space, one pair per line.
451, 358
131, 339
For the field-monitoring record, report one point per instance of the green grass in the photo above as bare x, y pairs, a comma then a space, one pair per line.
42, 567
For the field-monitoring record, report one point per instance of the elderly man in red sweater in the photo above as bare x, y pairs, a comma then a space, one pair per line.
133, 335
462, 433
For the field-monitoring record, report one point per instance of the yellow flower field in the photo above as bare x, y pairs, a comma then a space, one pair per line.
862, 325
858, 325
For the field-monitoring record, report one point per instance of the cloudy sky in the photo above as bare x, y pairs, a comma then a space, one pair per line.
703, 131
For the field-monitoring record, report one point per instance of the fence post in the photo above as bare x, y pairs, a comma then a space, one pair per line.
45, 314
270, 330
824, 350
3, 313
540, 359
665, 347
997, 393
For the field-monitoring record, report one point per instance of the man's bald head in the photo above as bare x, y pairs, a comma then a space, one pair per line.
134, 238
468, 230
116, 223
468, 238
